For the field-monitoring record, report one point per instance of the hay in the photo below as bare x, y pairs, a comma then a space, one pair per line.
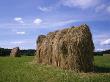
71, 48
15, 52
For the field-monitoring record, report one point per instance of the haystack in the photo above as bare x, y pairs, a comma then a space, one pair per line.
15, 52
71, 48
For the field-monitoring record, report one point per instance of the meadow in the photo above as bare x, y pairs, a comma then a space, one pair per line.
22, 69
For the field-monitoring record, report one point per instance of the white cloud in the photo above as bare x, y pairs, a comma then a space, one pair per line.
45, 9
97, 5
19, 19
108, 9
102, 36
21, 42
57, 24
100, 8
37, 21
103, 7
105, 42
17, 42
61, 23
99, 50
84, 4
21, 33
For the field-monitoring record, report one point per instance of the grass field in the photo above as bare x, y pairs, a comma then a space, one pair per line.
22, 70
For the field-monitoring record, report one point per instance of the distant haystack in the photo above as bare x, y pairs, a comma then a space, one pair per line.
71, 48
15, 52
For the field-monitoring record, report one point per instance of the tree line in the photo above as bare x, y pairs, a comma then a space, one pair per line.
31, 52
100, 53
28, 52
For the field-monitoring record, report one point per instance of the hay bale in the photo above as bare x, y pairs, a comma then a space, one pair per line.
71, 48
15, 52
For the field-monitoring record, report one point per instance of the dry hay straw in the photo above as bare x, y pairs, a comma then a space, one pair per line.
15, 52
71, 48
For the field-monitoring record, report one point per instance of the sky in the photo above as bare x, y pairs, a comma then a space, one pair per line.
22, 21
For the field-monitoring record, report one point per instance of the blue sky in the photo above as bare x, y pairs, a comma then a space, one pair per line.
21, 21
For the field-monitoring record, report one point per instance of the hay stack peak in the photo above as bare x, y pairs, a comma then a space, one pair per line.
70, 48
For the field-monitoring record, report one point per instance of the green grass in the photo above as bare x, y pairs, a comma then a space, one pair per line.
102, 63
22, 70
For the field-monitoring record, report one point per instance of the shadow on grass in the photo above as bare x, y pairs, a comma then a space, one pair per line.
98, 69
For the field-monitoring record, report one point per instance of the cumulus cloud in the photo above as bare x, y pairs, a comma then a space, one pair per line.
21, 33
64, 22
17, 42
19, 19
45, 9
100, 8
37, 21
105, 42
97, 5
103, 7
108, 9
57, 24
99, 50
84, 4
21, 42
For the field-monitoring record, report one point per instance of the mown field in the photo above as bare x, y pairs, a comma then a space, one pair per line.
23, 70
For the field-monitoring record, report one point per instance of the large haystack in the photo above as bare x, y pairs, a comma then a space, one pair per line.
71, 48
15, 52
